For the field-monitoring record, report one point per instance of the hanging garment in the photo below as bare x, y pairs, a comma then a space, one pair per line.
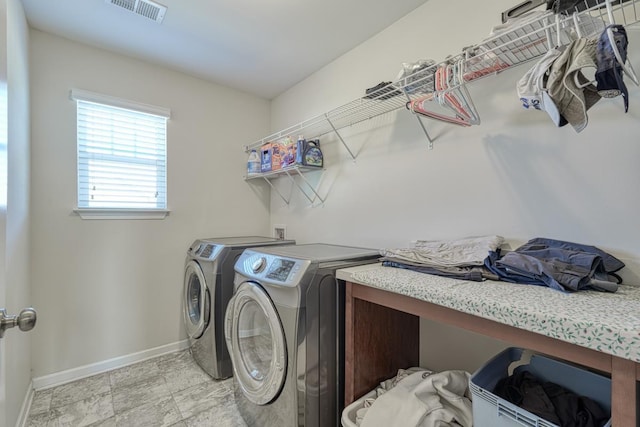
568, 87
609, 74
560, 265
532, 88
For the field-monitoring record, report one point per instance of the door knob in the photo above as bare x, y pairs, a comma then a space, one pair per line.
26, 320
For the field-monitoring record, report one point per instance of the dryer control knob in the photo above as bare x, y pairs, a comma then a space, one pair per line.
259, 265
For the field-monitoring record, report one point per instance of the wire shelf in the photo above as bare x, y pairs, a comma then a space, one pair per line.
527, 40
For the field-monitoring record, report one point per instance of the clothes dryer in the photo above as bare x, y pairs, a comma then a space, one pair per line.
284, 330
208, 286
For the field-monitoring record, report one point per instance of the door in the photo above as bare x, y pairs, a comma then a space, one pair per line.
15, 144
256, 343
3, 198
196, 300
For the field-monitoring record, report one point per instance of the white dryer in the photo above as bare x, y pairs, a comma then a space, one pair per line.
208, 286
284, 330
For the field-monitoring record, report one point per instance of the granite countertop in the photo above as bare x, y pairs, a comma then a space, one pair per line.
606, 322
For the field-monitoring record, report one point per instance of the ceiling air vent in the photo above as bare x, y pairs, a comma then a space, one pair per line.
146, 8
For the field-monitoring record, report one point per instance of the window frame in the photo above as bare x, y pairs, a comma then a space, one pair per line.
119, 212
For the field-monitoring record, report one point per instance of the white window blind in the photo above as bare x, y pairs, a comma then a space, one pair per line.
121, 154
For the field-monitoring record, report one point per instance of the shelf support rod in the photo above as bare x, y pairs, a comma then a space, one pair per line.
308, 185
424, 129
276, 188
340, 137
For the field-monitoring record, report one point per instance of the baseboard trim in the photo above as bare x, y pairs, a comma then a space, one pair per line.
63, 377
26, 406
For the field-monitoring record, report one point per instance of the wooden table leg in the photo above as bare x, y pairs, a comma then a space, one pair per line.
349, 371
378, 341
623, 393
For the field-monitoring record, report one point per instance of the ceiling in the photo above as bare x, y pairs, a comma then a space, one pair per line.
262, 47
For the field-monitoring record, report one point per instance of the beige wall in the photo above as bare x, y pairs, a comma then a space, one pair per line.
515, 175
108, 288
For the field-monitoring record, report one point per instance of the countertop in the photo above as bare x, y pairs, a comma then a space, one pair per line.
605, 322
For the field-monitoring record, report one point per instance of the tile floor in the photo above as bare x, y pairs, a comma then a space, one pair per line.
169, 390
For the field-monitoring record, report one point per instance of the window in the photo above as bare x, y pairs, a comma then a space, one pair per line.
121, 157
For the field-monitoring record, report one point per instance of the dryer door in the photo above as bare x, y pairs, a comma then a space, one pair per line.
196, 300
256, 342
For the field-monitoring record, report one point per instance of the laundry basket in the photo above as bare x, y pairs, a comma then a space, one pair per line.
349, 413
490, 410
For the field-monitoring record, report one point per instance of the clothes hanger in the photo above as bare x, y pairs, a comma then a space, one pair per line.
451, 94
576, 25
419, 106
463, 94
547, 32
447, 98
455, 96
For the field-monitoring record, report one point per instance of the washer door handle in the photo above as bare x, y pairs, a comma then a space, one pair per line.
228, 323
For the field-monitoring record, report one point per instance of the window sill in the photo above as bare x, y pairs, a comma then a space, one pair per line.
85, 213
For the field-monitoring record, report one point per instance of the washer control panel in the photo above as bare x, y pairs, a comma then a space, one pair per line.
280, 269
270, 268
205, 251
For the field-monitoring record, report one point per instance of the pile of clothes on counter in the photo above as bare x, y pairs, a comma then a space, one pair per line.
417, 397
561, 265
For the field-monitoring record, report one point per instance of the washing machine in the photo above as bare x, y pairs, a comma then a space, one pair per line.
284, 328
208, 286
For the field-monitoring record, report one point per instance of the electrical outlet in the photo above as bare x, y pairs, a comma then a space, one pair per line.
280, 231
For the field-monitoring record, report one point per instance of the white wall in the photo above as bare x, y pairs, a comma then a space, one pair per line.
104, 289
515, 175
18, 344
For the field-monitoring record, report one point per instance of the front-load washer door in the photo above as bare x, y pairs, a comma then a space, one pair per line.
196, 300
256, 342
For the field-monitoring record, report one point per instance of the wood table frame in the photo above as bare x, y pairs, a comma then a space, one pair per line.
379, 341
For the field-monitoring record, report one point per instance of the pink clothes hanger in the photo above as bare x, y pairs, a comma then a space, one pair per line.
450, 95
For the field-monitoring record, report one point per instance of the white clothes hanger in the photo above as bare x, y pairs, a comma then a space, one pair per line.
455, 96
576, 25
465, 97
547, 32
